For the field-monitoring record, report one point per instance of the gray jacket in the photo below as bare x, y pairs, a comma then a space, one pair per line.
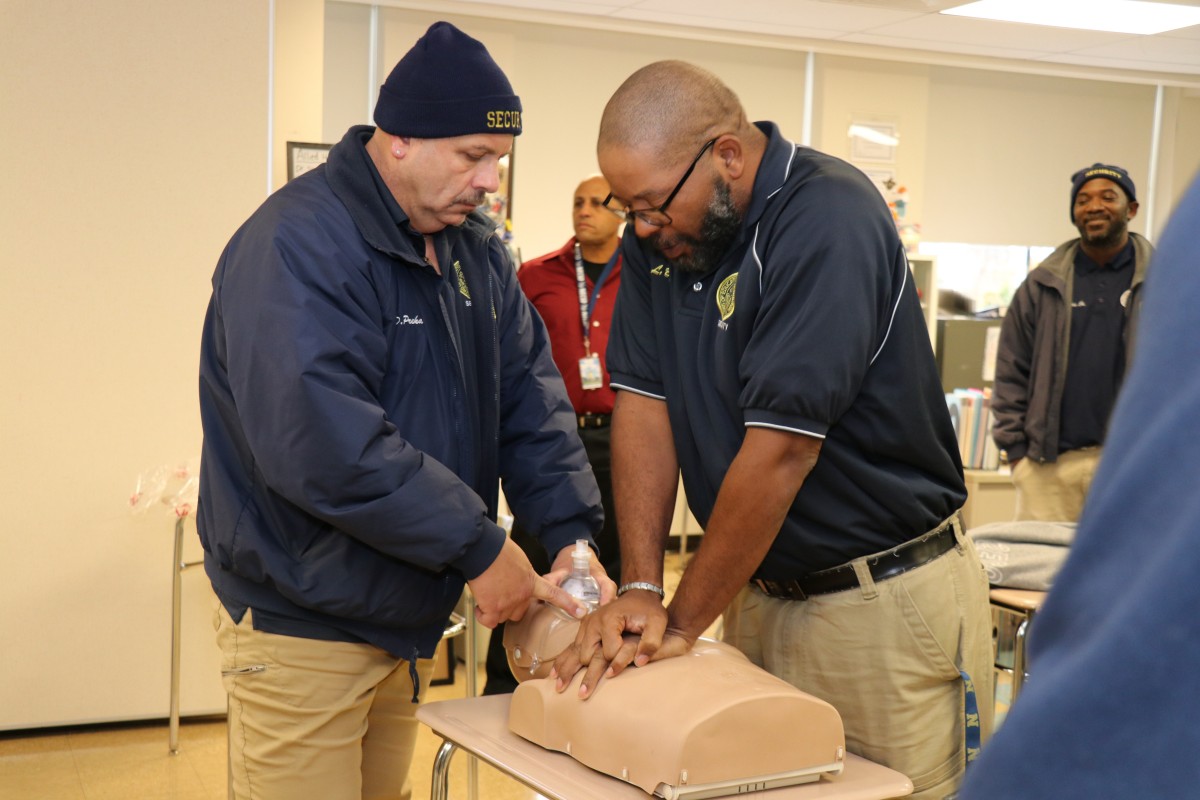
1031, 362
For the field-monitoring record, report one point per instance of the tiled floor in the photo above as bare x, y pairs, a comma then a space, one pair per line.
131, 762
127, 761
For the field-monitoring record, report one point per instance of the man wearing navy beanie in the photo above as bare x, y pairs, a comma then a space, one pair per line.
370, 371
447, 85
1065, 346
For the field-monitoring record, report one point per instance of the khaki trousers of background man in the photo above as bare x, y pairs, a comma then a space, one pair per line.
887, 656
1055, 492
310, 718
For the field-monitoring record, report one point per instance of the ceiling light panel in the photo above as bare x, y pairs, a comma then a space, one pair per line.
1114, 16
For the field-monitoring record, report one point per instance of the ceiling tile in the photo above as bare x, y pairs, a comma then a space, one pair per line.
943, 47
801, 14
768, 28
961, 30
910, 24
1146, 48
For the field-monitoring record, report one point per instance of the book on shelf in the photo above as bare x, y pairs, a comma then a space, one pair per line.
971, 414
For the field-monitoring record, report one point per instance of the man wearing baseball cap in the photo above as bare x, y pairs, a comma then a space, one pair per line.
1065, 345
370, 370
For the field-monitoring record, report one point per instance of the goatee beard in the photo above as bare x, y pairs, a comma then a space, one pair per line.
1109, 238
718, 230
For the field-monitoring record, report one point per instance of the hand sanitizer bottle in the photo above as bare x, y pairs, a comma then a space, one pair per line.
579, 583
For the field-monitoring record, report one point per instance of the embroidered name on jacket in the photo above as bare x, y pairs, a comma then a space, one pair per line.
405, 319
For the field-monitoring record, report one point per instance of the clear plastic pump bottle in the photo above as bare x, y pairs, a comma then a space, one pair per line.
579, 583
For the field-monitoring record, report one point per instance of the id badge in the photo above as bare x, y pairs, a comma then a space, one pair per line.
590, 372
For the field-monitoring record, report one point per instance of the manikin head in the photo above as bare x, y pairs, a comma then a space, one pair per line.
532, 643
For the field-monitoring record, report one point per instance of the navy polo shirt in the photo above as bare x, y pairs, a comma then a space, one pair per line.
1096, 354
810, 324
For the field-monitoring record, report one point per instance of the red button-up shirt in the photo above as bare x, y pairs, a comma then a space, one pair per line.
551, 285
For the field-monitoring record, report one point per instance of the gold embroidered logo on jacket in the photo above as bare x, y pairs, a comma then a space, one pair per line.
462, 282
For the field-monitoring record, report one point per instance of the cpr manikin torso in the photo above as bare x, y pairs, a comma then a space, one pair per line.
706, 724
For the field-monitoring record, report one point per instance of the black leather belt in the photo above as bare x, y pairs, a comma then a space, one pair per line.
594, 420
887, 565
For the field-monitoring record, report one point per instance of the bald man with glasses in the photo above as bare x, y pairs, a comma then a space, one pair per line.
768, 343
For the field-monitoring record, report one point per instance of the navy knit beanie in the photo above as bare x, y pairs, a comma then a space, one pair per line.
447, 85
1115, 174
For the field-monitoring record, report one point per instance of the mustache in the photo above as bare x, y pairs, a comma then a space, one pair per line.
661, 241
474, 199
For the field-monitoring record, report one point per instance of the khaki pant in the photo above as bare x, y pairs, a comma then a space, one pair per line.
887, 656
310, 718
1055, 492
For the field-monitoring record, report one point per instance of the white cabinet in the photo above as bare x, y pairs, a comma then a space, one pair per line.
991, 497
924, 272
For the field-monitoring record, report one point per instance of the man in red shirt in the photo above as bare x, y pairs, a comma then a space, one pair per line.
574, 289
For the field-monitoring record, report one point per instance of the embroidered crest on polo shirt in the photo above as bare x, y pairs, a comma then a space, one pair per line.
726, 294
462, 282
661, 271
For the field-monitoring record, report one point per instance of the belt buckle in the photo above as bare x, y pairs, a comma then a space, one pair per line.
780, 589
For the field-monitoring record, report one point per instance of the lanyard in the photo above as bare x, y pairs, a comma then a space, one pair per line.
586, 304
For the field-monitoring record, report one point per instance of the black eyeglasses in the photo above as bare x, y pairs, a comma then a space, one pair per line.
657, 217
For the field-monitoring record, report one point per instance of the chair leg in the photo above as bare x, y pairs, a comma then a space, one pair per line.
1018, 679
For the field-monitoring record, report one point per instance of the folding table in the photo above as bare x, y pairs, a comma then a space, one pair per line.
479, 725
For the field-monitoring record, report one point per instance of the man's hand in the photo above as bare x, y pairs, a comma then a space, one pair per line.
630, 630
503, 591
562, 567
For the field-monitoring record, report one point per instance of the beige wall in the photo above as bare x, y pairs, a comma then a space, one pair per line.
298, 78
135, 142
349, 96
1006, 146
1185, 154
854, 90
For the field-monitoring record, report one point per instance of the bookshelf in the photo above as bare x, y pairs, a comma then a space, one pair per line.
924, 272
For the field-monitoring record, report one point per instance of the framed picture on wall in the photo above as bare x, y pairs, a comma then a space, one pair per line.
873, 141
884, 179
303, 156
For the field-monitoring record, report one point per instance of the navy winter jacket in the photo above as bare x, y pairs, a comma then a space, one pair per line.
359, 411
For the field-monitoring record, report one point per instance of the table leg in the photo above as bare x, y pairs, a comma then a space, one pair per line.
472, 691
440, 790
176, 591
